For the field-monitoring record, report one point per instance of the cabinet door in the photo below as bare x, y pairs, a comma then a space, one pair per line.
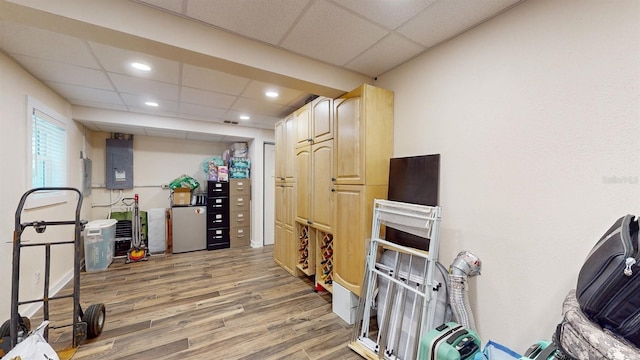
349, 141
303, 126
280, 204
290, 201
322, 119
303, 184
290, 133
280, 150
322, 186
352, 229
282, 248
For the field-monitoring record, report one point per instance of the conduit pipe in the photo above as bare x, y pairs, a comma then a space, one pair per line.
464, 266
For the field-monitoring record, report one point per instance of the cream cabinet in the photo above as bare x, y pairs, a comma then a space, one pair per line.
363, 146
303, 184
354, 210
285, 246
322, 186
284, 241
363, 138
314, 122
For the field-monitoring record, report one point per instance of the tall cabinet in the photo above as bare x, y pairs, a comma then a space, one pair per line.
341, 150
314, 190
363, 147
285, 244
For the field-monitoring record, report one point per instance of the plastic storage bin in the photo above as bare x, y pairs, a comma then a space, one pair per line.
99, 240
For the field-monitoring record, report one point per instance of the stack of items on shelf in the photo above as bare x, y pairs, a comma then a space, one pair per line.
327, 259
304, 248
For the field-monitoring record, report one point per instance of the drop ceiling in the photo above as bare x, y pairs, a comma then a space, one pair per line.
213, 60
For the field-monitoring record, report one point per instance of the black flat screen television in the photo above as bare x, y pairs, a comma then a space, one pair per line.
413, 180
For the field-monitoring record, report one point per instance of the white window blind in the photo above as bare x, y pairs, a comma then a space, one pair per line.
48, 151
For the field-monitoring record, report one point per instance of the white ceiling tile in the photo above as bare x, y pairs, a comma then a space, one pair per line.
385, 54
25, 40
264, 20
207, 79
256, 107
332, 34
206, 98
116, 60
390, 14
256, 90
446, 19
138, 101
85, 93
201, 111
150, 88
46, 70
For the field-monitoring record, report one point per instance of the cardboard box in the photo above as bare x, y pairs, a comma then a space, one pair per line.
182, 196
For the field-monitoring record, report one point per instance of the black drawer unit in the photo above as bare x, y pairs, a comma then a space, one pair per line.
217, 220
218, 205
217, 215
217, 188
218, 238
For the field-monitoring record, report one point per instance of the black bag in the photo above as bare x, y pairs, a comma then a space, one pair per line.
608, 288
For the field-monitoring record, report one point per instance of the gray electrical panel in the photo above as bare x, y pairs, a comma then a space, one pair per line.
119, 170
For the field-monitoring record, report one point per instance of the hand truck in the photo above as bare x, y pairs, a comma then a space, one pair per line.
85, 325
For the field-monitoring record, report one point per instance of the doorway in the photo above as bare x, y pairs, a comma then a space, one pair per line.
269, 193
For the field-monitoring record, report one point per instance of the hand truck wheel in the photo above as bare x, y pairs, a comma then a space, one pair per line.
24, 325
95, 318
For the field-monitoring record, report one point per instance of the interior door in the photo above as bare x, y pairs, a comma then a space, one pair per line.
269, 192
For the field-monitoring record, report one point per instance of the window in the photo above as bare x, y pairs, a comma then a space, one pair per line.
47, 141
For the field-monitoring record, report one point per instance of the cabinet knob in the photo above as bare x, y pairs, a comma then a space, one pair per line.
333, 190
333, 179
309, 222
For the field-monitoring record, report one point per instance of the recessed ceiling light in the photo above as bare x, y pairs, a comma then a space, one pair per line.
244, 117
151, 103
140, 66
271, 94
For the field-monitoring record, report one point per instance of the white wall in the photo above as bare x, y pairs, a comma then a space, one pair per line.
156, 161
537, 116
16, 84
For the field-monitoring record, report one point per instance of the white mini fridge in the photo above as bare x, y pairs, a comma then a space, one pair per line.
189, 228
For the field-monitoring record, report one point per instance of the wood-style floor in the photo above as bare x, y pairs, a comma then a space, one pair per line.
225, 304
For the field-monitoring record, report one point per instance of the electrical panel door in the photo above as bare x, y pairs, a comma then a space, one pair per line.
119, 171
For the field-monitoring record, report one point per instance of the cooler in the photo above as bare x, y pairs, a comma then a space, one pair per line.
99, 240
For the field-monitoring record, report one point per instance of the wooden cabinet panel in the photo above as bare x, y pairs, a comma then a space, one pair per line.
290, 201
303, 126
280, 205
303, 184
363, 136
290, 134
352, 227
348, 142
322, 185
280, 150
322, 119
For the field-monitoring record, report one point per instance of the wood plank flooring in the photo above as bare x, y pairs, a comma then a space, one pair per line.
224, 304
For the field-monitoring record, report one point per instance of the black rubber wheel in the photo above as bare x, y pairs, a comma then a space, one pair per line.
94, 317
24, 325
5, 329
